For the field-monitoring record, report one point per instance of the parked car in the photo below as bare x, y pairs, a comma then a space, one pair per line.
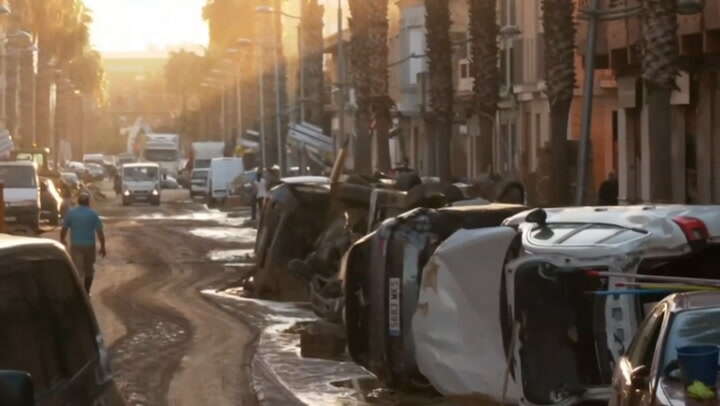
221, 174
50, 202
22, 193
551, 291
381, 274
650, 370
199, 182
53, 351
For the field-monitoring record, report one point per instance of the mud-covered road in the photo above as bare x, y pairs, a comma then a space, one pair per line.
170, 346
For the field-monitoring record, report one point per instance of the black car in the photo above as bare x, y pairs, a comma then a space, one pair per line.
52, 349
382, 274
50, 202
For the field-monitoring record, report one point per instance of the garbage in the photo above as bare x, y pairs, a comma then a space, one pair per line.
700, 391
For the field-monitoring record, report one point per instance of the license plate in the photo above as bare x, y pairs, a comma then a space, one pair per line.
394, 307
141, 197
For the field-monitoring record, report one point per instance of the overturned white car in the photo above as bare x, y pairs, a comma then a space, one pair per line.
538, 310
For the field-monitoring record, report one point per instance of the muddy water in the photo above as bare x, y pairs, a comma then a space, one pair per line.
313, 381
226, 234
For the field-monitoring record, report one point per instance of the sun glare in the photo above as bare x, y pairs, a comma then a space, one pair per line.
141, 25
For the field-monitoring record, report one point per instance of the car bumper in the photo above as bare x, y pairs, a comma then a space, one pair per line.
22, 215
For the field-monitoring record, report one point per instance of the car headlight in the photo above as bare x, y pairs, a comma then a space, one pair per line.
155, 192
126, 193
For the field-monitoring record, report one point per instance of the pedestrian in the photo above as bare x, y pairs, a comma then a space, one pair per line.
261, 190
608, 193
84, 224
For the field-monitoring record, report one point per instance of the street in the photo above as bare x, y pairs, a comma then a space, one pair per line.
169, 345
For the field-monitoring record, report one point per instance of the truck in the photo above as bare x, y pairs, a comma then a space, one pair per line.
163, 149
202, 153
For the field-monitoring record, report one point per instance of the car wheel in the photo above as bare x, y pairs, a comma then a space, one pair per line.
55, 219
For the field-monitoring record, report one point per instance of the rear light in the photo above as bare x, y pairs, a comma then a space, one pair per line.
693, 228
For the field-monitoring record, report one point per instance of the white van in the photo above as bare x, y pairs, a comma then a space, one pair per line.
22, 193
221, 175
141, 183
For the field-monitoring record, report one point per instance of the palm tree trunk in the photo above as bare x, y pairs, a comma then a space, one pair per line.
42, 99
359, 62
559, 116
441, 80
379, 82
383, 125
27, 98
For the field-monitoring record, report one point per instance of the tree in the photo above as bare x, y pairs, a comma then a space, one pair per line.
378, 71
359, 62
659, 71
184, 72
312, 40
484, 69
439, 53
559, 29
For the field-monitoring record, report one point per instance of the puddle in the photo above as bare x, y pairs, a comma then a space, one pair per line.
311, 381
231, 255
223, 218
226, 234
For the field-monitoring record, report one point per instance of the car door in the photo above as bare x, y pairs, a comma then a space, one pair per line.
633, 382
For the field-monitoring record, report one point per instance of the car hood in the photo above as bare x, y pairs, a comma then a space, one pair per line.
132, 185
20, 194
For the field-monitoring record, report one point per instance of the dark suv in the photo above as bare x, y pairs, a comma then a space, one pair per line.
52, 349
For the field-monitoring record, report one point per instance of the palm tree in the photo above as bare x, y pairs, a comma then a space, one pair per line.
439, 53
660, 69
559, 29
312, 40
484, 68
359, 62
378, 70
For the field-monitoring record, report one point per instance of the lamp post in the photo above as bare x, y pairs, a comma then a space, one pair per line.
276, 67
240, 48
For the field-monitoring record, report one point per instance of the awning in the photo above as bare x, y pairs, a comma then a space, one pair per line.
310, 136
6, 143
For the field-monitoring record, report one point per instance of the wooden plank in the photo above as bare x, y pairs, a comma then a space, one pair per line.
703, 147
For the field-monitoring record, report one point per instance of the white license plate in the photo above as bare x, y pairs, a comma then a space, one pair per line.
394, 307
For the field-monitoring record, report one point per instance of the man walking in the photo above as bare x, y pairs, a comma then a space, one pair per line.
84, 223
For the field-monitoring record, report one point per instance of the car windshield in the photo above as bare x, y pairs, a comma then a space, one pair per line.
161, 155
141, 174
202, 175
202, 163
692, 327
18, 176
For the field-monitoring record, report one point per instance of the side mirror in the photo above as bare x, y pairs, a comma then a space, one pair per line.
16, 389
537, 216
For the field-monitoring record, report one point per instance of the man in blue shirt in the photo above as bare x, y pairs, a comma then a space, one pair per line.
84, 223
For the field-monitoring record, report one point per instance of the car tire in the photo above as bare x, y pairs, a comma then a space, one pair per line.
55, 219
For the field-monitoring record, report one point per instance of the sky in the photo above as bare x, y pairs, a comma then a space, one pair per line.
146, 25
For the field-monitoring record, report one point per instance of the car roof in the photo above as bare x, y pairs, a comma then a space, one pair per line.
17, 163
141, 165
10, 245
693, 301
310, 180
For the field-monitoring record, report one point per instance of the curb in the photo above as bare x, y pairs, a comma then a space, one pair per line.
280, 376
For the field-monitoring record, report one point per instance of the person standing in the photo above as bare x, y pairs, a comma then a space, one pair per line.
84, 225
261, 192
608, 193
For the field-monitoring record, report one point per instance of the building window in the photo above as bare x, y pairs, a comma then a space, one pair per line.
464, 70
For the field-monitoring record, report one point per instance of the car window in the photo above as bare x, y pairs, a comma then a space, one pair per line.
696, 327
642, 349
53, 336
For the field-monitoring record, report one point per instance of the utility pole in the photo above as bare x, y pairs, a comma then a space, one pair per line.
261, 85
301, 51
278, 104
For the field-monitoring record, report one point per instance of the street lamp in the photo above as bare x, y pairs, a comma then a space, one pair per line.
278, 123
